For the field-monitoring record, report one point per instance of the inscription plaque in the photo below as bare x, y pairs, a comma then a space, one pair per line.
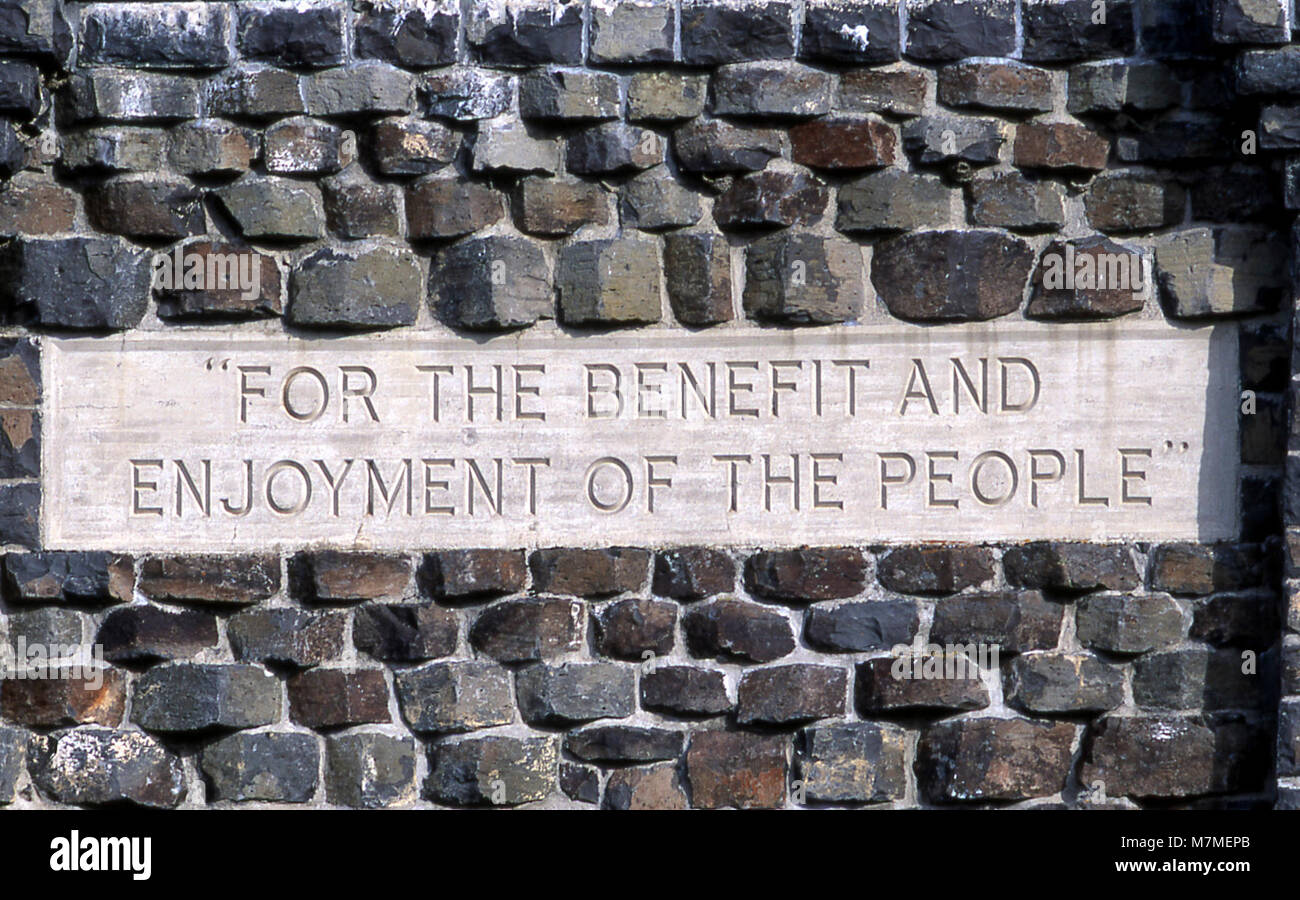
892, 433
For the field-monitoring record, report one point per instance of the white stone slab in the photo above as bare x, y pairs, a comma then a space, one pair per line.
149, 441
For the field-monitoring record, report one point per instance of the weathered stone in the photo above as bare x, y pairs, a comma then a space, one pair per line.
1220, 271
719, 31
613, 282
954, 685
624, 743
78, 579
732, 629
857, 627
1265, 357
1272, 71
612, 148
1063, 30
1203, 569
52, 695
896, 91
944, 139
1175, 27
589, 572
120, 96
1059, 145
471, 574
1010, 200
1012, 87
940, 30
1063, 683
713, 146
1013, 621
1110, 87
286, 636
733, 769
504, 146
526, 32
146, 207
632, 31
300, 34
19, 514
92, 283
303, 146
439, 206
498, 770
772, 198
934, 570
265, 766
628, 629
47, 626
491, 283
188, 697
1288, 738
1251, 22
697, 272
20, 90
767, 90
458, 696
993, 759
337, 698
654, 200
847, 31
259, 93
691, 573
578, 782
356, 207
404, 146
951, 275
93, 766
20, 372
275, 208
377, 287
13, 762
645, 787
569, 95
212, 147
398, 632
555, 207
1120, 203
408, 32
1136, 623
360, 89
1090, 278
370, 770
844, 142
466, 94
853, 762
665, 96
330, 576
1197, 678
830, 288
36, 28
175, 36
525, 630
217, 580
575, 692
1147, 756
684, 691
801, 576
20, 443
1179, 139
1235, 194
1246, 620
32, 204
148, 634
796, 693
893, 200
13, 153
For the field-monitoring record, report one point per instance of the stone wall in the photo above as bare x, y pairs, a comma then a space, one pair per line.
489, 166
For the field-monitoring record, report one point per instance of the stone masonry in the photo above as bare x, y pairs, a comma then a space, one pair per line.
657, 164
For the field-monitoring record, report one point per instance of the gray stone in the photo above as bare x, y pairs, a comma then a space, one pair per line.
684, 691
13, 759
21, 95
1221, 271
898, 91
665, 96
408, 32
1251, 22
858, 627
1013, 621
303, 146
1109, 87
1199, 678
377, 287
951, 275
79, 579
174, 36
1009, 200
466, 94
113, 149
504, 146
212, 147
723, 31
575, 692
526, 32
264, 766
455, 696
697, 272
1053, 683
274, 208
123, 96
765, 89
497, 771
404, 146
146, 207
713, 146
356, 207
893, 200
939, 138
632, 31
1273, 71
853, 762
257, 93
370, 770
561, 95
654, 200
80, 283
359, 89
803, 279
556, 207
301, 34
93, 766
491, 283
286, 636
612, 148
624, 743
1118, 623
609, 282
188, 697
36, 28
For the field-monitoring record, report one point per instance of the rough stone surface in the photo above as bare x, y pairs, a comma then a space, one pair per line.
220, 581
187, 697
404, 633
265, 766
1014, 621
993, 759
94, 766
455, 696
730, 769
853, 762
949, 275
497, 771
737, 630
794, 693
803, 279
370, 770
524, 630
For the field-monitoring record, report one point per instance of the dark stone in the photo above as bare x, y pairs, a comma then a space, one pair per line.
737, 630
625, 31
498, 770
564, 96
780, 695
1236, 620
1071, 566
940, 30
404, 146
146, 207
268, 766
773, 198
893, 200
1116, 623
993, 759
20, 372
331, 576
286, 636
655, 200
246, 265
13, 762
466, 94
1009, 200
843, 31
309, 34
555, 207
771, 90
697, 272
174, 36
523, 33
1013, 621
624, 743
801, 576
858, 627
51, 695
1066, 31
337, 698
274, 208
937, 139
408, 34
356, 207
143, 633
1162, 756
720, 31
188, 697
580, 783
613, 148
470, 574
258, 93
956, 686
1059, 145
692, 573
441, 207
370, 288
450, 697
934, 570
609, 283
217, 580
525, 630
76, 579
1175, 27
684, 691
20, 443
37, 28
370, 770
303, 146
398, 632
93, 283
1054, 683
951, 275
20, 89
492, 283
1120, 203
19, 510
94, 766
712, 146
589, 572
733, 769
629, 629
844, 142
1012, 87
1205, 568
852, 762
899, 92
798, 278
645, 787
575, 692
117, 95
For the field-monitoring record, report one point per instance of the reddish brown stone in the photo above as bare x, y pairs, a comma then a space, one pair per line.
30, 205
52, 702
844, 143
735, 769
628, 629
1096, 300
771, 198
225, 580
1059, 145
733, 629
333, 577
934, 570
796, 693
214, 302
801, 576
879, 690
993, 759
469, 574
442, 207
335, 698
554, 207
690, 573
645, 787
526, 630
589, 573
